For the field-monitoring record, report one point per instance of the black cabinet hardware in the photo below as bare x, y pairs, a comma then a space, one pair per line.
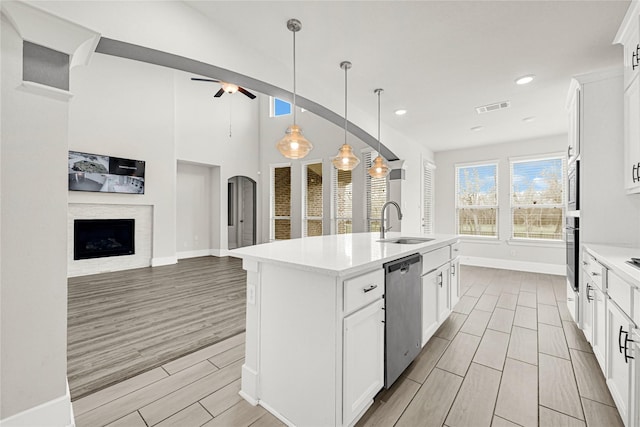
370, 288
626, 348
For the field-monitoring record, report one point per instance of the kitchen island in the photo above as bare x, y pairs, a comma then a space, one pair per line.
315, 320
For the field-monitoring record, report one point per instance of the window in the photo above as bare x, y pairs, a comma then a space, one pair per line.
375, 194
477, 200
312, 199
280, 202
342, 201
537, 198
279, 107
427, 198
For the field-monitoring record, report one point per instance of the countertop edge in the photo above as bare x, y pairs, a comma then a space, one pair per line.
421, 248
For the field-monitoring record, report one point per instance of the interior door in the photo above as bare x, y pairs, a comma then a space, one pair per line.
247, 231
232, 212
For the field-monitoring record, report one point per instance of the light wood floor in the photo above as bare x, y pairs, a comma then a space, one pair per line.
507, 356
123, 323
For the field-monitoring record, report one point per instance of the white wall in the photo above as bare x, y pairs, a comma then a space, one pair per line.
500, 253
125, 109
33, 296
193, 206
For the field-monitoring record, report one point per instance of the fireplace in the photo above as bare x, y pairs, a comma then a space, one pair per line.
97, 238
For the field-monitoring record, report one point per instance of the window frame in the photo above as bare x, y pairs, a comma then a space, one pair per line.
272, 107
304, 165
272, 193
562, 205
457, 167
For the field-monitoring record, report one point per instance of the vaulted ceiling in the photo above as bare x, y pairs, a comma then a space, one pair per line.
438, 59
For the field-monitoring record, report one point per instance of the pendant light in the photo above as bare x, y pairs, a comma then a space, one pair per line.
294, 145
379, 169
345, 160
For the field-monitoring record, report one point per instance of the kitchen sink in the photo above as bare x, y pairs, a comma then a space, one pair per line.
407, 240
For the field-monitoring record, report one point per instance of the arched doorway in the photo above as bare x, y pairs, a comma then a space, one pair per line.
241, 212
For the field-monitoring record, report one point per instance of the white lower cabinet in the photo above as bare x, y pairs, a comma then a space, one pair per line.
429, 305
363, 373
620, 368
587, 310
443, 282
455, 283
598, 341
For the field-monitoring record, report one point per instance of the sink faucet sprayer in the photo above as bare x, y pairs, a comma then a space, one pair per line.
382, 229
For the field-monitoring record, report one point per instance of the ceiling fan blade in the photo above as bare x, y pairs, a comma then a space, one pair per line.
205, 80
219, 93
246, 92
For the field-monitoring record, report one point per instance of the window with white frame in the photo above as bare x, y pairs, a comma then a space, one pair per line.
342, 191
427, 197
312, 199
477, 199
278, 107
375, 194
537, 198
280, 202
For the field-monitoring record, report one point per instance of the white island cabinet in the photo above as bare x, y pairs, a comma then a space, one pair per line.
315, 323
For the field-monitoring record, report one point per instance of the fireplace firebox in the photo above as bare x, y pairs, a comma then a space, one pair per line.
97, 238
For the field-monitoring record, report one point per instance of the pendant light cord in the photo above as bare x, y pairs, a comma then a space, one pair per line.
379, 91
346, 68
294, 77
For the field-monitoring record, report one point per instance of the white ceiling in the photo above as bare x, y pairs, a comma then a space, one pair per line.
439, 59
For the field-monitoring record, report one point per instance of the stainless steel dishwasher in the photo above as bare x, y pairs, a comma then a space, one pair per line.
403, 315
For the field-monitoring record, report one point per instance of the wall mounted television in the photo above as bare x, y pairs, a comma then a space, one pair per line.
105, 174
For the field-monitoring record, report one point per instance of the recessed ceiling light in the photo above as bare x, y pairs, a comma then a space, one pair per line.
528, 119
525, 79
477, 128
400, 112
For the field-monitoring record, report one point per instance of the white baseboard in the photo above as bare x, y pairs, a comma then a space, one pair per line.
56, 412
195, 254
506, 264
220, 252
168, 260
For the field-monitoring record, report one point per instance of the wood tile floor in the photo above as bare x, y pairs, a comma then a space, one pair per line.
508, 355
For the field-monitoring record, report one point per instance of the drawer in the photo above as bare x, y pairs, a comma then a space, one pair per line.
620, 292
363, 290
593, 269
434, 259
455, 250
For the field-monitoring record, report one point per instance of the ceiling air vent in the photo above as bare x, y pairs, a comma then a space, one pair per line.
493, 107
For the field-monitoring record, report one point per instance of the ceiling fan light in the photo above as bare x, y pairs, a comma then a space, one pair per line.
379, 169
294, 145
229, 87
345, 160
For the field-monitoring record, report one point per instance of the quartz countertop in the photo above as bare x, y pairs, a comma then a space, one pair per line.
615, 258
339, 254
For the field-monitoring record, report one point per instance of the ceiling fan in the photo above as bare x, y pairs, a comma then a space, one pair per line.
226, 87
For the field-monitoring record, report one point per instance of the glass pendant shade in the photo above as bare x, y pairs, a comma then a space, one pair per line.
379, 169
294, 145
345, 160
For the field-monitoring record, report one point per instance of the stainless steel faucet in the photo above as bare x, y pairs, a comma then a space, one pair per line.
382, 228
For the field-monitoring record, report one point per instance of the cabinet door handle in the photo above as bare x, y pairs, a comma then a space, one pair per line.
440, 279
620, 346
626, 348
589, 297
593, 273
569, 148
634, 60
453, 270
370, 288
585, 263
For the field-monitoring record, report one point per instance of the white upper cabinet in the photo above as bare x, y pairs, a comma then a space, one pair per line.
629, 36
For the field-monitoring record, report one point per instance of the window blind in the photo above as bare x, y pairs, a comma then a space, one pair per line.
375, 194
427, 198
